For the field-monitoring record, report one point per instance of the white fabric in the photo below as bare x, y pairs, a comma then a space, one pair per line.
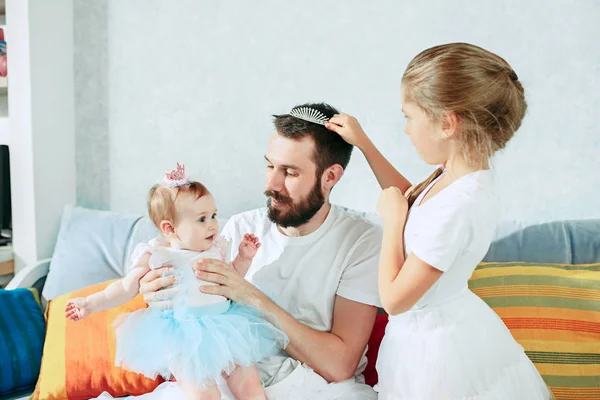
452, 231
451, 345
303, 275
302, 384
183, 262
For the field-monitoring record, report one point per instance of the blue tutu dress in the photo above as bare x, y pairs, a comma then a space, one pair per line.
202, 336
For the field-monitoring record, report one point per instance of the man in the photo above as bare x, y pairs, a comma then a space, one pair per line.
316, 271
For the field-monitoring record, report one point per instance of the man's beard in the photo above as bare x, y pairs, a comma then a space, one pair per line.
298, 213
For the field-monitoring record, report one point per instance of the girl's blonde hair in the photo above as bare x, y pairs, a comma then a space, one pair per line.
162, 200
478, 86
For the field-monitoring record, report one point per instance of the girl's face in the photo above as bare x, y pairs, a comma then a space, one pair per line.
196, 226
425, 134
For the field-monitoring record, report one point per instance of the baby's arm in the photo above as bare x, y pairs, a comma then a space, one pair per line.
247, 250
350, 130
115, 294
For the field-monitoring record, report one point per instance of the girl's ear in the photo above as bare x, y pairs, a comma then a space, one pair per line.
450, 125
167, 228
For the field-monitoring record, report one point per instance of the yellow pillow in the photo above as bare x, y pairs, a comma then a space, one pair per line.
78, 360
553, 311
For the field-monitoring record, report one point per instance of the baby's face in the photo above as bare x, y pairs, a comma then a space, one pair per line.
197, 225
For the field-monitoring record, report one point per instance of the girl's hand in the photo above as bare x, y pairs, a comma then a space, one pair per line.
392, 205
77, 309
248, 247
348, 128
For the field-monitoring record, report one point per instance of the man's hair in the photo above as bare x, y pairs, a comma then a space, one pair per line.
330, 148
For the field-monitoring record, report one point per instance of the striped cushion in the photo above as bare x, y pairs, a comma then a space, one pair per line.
22, 330
78, 360
553, 311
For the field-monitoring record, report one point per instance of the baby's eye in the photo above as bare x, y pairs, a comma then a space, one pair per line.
202, 219
214, 216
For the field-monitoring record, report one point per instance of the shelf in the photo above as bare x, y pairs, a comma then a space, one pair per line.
6, 254
3, 82
7, 265
5, 279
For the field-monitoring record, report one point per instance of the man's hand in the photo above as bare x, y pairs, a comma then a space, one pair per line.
154, 286
228, 281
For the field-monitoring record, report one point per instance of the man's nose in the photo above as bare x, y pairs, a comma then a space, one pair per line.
274, 182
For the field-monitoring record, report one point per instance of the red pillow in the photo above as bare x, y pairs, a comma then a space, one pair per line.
370, 372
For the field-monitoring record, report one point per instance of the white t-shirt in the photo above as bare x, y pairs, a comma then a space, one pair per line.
452, 232
304, 274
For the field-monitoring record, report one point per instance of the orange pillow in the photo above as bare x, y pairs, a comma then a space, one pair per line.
78, 360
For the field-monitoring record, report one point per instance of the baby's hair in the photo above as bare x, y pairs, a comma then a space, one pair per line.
479, 87
162, 200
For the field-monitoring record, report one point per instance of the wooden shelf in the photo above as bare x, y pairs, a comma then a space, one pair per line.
7, 268
7, 265
5, 280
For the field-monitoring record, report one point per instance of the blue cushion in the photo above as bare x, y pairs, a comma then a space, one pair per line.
560, 242
22, 332
90, 248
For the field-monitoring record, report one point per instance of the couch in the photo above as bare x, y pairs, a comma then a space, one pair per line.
105, 240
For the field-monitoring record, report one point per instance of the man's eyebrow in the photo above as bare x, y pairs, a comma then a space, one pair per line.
287, 166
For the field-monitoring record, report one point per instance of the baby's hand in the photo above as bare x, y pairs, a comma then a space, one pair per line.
77, 309
248, 247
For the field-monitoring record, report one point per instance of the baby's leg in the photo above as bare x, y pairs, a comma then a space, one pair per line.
193, 392
190, 389
245, 384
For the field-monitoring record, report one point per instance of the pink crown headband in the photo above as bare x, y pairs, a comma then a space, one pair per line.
177, 177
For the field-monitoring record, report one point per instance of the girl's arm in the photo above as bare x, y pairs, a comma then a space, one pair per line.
402, 281
114, 295
118, 292
241, 265
350, 130
384, 171
246, 252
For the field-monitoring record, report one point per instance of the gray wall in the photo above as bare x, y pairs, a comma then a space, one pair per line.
196, 82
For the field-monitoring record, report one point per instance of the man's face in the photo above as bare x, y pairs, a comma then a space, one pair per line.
293, 190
